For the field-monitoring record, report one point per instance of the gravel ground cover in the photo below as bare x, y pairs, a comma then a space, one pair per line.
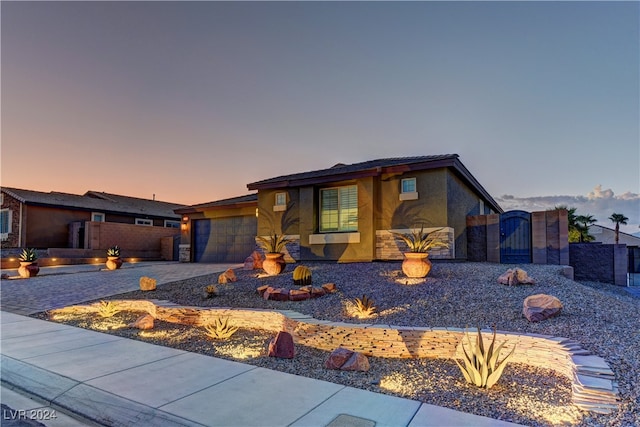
603, 318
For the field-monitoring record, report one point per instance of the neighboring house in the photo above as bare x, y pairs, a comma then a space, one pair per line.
60, 220
343, 213
608, 235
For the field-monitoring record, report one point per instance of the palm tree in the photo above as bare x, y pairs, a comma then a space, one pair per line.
582, 224
618, 219
574, 232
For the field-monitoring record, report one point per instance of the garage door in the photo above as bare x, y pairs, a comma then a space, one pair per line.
224, 239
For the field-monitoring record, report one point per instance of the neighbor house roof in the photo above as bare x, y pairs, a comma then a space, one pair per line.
342, 172
96, 201
241, 201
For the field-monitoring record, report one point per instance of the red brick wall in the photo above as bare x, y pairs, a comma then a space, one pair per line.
102, 235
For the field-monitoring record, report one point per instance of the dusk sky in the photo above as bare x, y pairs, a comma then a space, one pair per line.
191, 101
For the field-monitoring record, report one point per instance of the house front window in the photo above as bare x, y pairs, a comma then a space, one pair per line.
140, 221
5, 223
171, 224
408, 189
339, 209
280, 202
97, 216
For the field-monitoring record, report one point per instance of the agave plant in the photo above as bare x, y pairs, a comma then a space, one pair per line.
274, 243
113, 251
482, 368
108, 309
28, 255
363, 307
220, 329
419, 241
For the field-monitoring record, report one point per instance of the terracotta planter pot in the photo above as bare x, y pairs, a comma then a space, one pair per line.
273, 264
416, 265
114, 262
28, 269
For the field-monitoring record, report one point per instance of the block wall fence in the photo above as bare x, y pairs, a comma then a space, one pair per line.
132, 239
549, 238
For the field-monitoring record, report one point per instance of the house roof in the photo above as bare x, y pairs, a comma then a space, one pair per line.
342, 172
96, 201
241, 201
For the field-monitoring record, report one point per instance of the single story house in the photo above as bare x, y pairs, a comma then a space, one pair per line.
343, 213
60, 220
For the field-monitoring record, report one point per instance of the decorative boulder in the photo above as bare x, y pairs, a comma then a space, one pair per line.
147, 284
257, 259
329, 288
296, 295
248, 264
282, 346
143, 322
280, 294
347, 360
262, 289
515, 276
227, 276
541, 307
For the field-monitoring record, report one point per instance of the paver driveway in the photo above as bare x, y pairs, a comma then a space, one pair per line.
57, 287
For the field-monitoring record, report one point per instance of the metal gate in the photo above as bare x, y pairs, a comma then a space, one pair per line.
515, 237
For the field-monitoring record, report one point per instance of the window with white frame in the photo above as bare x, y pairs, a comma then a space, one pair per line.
144, 221
171, 224
280, 202
339, 209
5, 223
97, 216
408, 189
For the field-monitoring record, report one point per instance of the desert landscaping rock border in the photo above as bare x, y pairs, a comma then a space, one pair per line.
593, 385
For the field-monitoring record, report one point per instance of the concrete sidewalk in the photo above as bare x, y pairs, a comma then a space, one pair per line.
115, 381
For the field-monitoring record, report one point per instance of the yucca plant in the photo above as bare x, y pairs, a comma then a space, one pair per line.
108, 309
274, 243
482, 368
113, 251
220, 329
363, 307
419, 241
28, 255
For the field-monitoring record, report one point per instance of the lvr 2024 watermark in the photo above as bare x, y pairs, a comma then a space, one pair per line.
34, 414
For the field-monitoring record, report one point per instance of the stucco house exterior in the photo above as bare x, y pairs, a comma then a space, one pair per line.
346, 212
94, 220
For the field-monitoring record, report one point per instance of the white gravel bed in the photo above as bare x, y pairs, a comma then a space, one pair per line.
601, 317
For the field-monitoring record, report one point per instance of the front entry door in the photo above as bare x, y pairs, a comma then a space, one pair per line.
515, 237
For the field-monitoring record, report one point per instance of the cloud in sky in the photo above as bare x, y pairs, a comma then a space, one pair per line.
599, 202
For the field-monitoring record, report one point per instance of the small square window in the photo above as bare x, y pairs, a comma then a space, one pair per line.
281, 199
408, 189
281, 202
409, 185
97, 217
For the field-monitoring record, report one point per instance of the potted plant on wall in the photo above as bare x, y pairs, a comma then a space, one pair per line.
113, 258
28, 263
273, 246
416, 263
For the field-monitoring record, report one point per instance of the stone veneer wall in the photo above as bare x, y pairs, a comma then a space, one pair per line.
291, 250
593, 387
389, 247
